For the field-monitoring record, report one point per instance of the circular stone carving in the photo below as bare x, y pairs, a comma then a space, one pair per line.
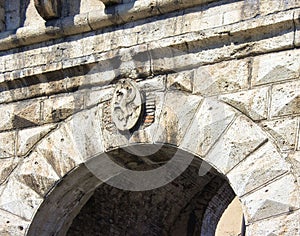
126, 105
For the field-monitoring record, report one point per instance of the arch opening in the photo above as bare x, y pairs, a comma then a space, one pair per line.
82, 204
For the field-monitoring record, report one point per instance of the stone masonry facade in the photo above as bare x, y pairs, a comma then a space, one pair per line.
218, 81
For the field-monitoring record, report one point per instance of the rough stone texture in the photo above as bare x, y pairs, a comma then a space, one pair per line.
257, 169
28, 138
209, 123
253, 103
225, 77
240, 140
285, 99
284, 131
12, 224
286, 224
275, 67
8, 144
218, 80
268, 201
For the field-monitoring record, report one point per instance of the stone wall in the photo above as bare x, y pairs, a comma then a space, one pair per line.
220, 77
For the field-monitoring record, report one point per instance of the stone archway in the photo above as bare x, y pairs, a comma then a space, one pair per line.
184, 206
205, 127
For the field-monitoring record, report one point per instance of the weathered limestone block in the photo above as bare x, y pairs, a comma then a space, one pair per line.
241, 139
284, 225
11, 224
84, 131
60, 150
267, 7
37, 173
20, 115
60, 107
183, 81
260, 167
275, 67
7, 165
178, 111
155, 84
284, 131
48, 9
224, 77
285, 99
91, 5
19, 199
97, 95
208, 124
280, 196
253, 103
7, 144
28, 138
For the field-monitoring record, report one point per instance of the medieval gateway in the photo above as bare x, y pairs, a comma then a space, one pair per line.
148, 117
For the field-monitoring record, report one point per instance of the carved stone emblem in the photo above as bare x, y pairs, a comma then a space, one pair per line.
126, 106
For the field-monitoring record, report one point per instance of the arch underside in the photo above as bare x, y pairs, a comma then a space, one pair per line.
192, 204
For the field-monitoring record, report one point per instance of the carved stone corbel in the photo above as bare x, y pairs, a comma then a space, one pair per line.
48, 9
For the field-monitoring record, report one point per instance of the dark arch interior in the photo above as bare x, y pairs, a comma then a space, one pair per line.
189, 205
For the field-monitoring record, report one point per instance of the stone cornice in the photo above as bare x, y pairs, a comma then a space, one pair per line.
94, 20
181, 52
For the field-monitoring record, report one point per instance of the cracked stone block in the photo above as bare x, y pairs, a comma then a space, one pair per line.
258, 168
221, 78
284, 225
28, 138
7, 165
61, 107
253, 103
274, 67
7, 144
177, 113
19, 199
278, 197
284, 131
241, 139
37, 173
60, 150
181, 81
285, 99
11, 224
208, 124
